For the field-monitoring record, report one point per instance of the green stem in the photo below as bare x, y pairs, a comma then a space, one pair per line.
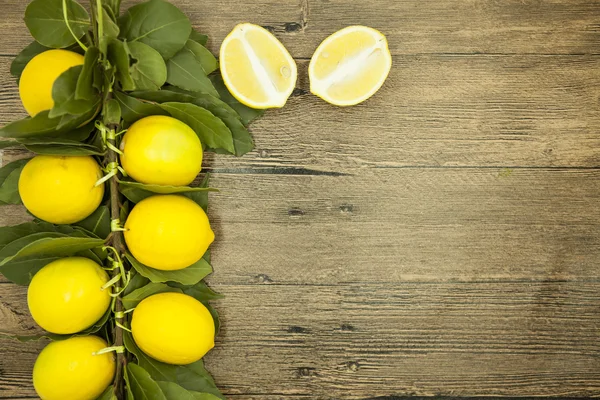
66, 17
100, 22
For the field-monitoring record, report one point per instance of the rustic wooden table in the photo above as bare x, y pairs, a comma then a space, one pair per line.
440, 239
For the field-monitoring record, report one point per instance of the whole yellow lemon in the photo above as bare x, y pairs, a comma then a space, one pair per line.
66, 296
35, 85
168, 232
161, 150
173, 328
69, 369
60, 189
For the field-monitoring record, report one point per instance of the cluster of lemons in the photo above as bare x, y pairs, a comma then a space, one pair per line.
165, 232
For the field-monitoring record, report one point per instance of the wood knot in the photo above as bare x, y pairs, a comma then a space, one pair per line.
262, 278
304, 372
347, 328
352, 366
298, 329
347, 208
295, 212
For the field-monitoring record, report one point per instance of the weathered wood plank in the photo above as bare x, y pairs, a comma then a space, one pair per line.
433, 111
402, 224
449, 26
372, 339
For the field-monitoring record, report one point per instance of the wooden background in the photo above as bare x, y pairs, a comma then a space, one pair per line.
440, 239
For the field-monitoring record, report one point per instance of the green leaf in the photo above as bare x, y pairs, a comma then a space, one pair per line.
143, 387
64, 92
185, 70
42, 125
85, 83
191, 377
173, 391
110, 31
137, 281
45, 21
134, 298
158, 24
164, 189
112, 112
187, 276
60, 147
133, 109
134, 194
149, 71
114, 6
215, 316
200, 291
46, 244
9, 182
128, 393
108, 394
22, 271
201, 198
19, 63
98, 223
242, 140
210, 129
5, 144
199, 37
207, 60
118, 55
246, 113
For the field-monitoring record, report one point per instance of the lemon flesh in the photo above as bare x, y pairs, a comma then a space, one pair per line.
173, 328
68, 369
168, 232
66, 296
257, 69
350, 66
35, 84
60, 189
161, 150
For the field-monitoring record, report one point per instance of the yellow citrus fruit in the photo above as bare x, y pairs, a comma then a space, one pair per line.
69, 369
173, 328
60, 189
168, 232
161, 150
350, 66
35, 84
258, 71
66, 296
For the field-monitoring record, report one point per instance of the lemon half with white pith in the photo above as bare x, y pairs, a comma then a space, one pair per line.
257, 69
350, 66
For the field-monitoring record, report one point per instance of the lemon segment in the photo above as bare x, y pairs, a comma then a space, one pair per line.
66, 296
61, 189
69, 369
37, 79
350, 66
173, 328
257, 69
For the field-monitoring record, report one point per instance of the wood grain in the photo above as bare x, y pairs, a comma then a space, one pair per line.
471, 111
439, 239
375, 339
449, 26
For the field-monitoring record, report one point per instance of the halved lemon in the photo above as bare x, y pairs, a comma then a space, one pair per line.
258, 71
350, 66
